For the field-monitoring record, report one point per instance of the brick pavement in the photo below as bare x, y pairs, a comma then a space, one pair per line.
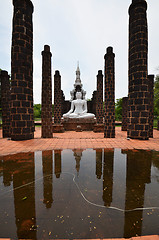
76, 140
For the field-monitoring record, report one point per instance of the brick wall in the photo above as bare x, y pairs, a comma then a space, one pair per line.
124, 114
46, 109
138, 103
109, 115
57, 98
22, 122
5, 101
151, 103
99, 98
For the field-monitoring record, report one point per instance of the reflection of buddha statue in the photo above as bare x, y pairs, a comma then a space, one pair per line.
78, 108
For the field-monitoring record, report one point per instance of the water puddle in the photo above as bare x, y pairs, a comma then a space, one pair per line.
104, 193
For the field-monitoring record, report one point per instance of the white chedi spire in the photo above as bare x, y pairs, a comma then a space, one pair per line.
78, 80
78, 85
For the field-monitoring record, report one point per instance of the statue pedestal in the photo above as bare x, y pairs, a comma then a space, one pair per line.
58, 128
76, 124
98, 128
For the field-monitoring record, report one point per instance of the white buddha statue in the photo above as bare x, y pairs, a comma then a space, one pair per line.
78, 108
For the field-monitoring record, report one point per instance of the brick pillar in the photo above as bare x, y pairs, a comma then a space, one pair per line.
158, 125
109, 123
5, 101
138, 116
99, 99
124, 114
57, 98
22, 72
46, 110
151, 103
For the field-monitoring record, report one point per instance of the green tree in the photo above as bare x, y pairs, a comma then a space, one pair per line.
37, 110
118, 109
156, 96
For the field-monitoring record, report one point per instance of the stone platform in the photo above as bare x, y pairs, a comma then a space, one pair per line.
76, 124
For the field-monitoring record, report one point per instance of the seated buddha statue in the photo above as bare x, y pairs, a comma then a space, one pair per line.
78, 108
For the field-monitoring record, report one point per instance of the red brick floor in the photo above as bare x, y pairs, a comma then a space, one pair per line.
76, 140
79, 140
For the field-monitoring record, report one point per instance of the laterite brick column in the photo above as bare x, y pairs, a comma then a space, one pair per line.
124, 114
109, 115
99, 99
22, 127
5, 99
57, 98
138, 116
151, 103
46, 110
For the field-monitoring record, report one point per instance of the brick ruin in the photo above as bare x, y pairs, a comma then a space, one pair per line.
99, 99
137, 116
151, 103
109, 115
46, 108
138, 103
124, 114
5, 102
22, 121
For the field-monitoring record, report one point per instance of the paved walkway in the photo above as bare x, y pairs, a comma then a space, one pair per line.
76, 140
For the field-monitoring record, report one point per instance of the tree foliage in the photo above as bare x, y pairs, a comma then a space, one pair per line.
118, 109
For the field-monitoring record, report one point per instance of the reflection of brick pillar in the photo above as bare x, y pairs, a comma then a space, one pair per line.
158, 125
46, 110
138, 126
99, 99
151, 103
22, 72
5, 98
57, 163
47, 178
124, 113
57, 98
109, 123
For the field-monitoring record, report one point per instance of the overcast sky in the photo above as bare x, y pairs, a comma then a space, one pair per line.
80, 30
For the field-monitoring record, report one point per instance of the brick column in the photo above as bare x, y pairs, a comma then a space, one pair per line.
5, 101
138, 116
57, 98
124, 114
151, 103
109, 123
158, 125
22, 72
99, 99
46, 110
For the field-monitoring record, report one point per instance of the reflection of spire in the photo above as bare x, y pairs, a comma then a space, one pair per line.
99, 163
108, 177
47, 177
57, 162
24, 197
78, 155
138, 174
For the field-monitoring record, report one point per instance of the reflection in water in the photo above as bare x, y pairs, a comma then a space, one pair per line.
20, 170
138, 174
77, 155
21, 166
99, 163
108, 176
57, 159
47, 177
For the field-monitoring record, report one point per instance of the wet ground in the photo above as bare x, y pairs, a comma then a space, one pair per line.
68, 194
